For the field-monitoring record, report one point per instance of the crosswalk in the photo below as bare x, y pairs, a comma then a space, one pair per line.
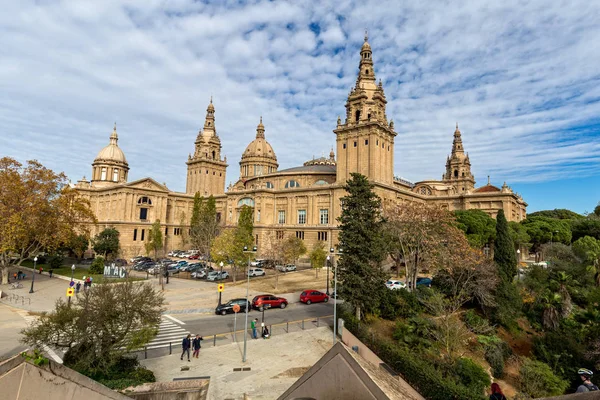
168, 332
30, 319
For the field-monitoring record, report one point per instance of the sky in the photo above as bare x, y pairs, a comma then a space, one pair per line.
521, 78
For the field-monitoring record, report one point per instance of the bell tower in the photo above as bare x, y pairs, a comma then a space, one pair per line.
206, 169
458, 166
365, 141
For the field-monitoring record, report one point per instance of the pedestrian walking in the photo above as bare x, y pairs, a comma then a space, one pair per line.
15, 275
90, 284
41, 269
50, 273
185, 345
77, 287
196, 345
20, 275
496, 392
253, 326
265, 332
586, 383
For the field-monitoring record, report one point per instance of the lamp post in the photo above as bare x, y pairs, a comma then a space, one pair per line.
246, 250
331, 250
72, 271
335, 295
33, 275
221, 274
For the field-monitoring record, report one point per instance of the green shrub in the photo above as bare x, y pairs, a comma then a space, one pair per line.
537, 379
496, 352
97, 266
509, 304
477, 324
561, 350
55, 261
472, 375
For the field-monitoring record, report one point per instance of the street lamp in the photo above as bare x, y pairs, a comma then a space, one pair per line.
72, 271
247, 250
221, 274
335, 295
33, 275
331, 250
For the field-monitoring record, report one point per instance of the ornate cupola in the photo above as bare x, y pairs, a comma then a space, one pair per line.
365, 141
110, 165
259, 157
458, 166
206, 168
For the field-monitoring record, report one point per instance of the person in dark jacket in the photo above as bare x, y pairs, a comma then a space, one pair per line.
497, 392
185, 345
586, 383
196, 345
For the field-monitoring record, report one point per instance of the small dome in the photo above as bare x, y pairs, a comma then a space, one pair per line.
259, 147
112, 152
487, 189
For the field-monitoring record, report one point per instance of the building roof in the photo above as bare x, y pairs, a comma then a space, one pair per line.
259, 147
487, 189
311, 168
112, 152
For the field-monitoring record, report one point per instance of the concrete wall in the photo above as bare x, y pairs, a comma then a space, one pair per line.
350, 340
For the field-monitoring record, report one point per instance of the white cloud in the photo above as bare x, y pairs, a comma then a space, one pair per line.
520, 78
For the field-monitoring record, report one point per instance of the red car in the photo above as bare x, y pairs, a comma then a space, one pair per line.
268, 301
194, 256
313, 296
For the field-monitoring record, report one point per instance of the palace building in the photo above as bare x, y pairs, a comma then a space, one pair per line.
302, 201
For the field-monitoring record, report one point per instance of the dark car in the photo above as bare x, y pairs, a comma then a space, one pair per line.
227, 308
269, 300
313, 296
422, 281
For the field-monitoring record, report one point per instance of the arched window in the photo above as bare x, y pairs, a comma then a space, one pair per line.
213, 154
291, 184
456, 173
269, 185
144, 200
357, 115
116, 175
321, 182
246, 201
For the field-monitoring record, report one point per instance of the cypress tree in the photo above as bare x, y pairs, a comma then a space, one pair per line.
361, 240
504, 252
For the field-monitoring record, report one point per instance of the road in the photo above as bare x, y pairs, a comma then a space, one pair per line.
218, 324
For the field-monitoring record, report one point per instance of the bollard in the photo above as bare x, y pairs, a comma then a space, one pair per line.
302, 324
145, 352
271, 330
317, 322
287, 327
170, 349
214, 340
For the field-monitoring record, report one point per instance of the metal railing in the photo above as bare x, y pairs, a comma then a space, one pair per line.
236, 336
15, 298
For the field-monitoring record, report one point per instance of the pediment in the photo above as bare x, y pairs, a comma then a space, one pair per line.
147, 184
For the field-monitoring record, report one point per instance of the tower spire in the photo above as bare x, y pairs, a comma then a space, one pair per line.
209, 122
260, 130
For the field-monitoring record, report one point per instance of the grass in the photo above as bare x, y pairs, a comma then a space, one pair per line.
79, 273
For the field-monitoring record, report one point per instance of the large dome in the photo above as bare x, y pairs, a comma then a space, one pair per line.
112, 152
259, 147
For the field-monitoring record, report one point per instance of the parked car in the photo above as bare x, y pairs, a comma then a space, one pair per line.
194, 256
173, 252
120, 262
256, 263
259, 302
256, 272
227, 308
423, 281
200, 274
313, 296
395, 284
216, 275
286, 268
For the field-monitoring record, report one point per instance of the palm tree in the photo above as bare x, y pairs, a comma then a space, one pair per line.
551, 315
563, 279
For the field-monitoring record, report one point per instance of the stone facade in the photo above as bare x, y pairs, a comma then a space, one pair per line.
302, 201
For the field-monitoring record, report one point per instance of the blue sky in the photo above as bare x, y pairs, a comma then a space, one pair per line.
520, 77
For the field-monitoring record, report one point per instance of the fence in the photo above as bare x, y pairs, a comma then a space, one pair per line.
15, 298
237, 336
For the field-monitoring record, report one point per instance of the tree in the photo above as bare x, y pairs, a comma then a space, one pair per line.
589, 226
100, 326
551, 303
318, 256
38, 211
537, 380
107, 243
597, 210
155, 239
293, 248
504, 251
79, 244
479, 227
361, 240
518, 234
415, 234
587, 249
543, 230
204, 226
563, 279
557, 213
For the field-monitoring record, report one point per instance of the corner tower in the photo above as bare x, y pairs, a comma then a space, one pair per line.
365, 141
458, 167
206, 169
110, 165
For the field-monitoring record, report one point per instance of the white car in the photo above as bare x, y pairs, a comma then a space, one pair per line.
394, 284
216, 275
256, 272
286, 268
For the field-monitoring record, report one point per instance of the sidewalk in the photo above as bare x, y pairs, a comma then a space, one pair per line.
275, 364
10, 331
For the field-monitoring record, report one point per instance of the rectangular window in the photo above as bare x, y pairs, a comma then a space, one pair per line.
355, 143
166, 231
300, 235
257, 215
256, 241
366, 142
103, 175
301, 217
324, 217
280, 235
281, 217
143, 214
344, 145
134, 235
143, 231
377, 142
322, 236
218, 217
116, 175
